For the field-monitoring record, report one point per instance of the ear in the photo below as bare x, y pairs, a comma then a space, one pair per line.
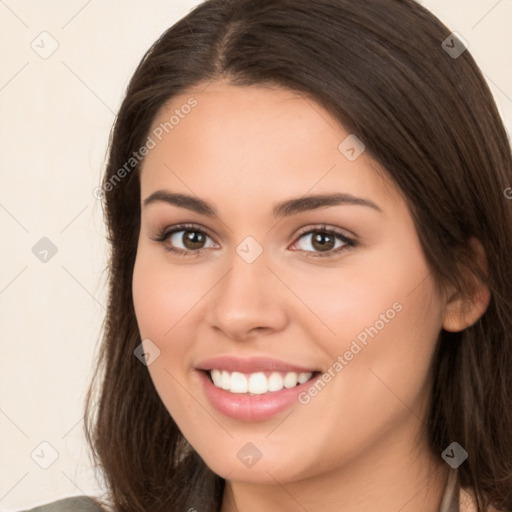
463, 310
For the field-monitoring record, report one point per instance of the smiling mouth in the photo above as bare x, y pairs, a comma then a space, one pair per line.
257, 383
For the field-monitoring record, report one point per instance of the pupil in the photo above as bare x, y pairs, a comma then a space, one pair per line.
193, 239
320, 239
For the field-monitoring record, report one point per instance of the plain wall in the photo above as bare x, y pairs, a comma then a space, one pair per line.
56, 116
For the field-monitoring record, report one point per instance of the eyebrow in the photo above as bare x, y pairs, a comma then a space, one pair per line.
284, 209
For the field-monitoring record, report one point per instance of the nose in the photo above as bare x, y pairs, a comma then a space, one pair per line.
248, 301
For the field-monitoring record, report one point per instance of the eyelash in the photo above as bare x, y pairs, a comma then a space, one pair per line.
165, 233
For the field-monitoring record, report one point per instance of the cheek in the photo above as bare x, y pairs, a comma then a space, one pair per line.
382, 317
162, 296
386, 293
162, 300
385, 320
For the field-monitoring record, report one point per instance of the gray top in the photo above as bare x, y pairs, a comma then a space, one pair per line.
74, 504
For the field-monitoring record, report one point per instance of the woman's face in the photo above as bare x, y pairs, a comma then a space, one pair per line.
335, 291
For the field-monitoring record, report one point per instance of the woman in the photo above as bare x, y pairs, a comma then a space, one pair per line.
310, 283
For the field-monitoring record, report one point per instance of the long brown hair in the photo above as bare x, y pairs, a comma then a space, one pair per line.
427, 116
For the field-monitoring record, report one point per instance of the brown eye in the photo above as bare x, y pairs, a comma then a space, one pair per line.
189, 239
323, 242
185, 240
193, 239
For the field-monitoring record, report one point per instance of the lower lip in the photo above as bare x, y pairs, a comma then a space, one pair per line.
245, 407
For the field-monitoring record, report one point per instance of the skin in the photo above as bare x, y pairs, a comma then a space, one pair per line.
359, 442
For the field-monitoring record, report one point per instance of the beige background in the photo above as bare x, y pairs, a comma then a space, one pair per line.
56, 116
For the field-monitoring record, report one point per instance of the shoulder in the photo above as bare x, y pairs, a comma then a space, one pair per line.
73, 504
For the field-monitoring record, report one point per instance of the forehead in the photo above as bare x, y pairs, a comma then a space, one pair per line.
226, 141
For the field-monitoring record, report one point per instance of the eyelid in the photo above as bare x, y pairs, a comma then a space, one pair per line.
325, 227
168, 229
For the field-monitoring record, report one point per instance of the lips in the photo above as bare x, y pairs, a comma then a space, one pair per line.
234, 398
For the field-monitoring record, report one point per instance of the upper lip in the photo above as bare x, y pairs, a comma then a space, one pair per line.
250, 365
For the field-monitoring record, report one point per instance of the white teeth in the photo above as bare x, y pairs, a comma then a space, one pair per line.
257, 383
290, 381
275, 382
238, 383
303, 377
226, 380
217, 377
